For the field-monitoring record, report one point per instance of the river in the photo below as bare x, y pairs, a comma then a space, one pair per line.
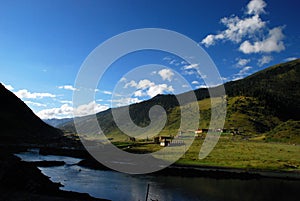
123, 187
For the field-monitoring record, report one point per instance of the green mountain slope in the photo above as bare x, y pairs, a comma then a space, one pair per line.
277, 87
256, 105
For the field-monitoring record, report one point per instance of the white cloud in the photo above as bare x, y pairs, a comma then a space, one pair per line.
106, 92
273, 43
65, 101
8, 87
236, 29
159, 89
290, 59
24, 93
166, 74
195, 82
147, 88
90, 108
191, 66
167, 58
256, 7
153, 73
143, 84
123, 79
224, 79
139, 93
132, 83
152, 89
201, 86
242, 73
125, 101
35, 104
185, 86
249, 32
67, 87
264, 60
242, 62
66, 111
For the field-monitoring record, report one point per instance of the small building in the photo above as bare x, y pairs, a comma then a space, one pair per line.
200, 132
165, 140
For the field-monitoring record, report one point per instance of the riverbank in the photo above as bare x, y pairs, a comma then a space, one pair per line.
206, 171
179, 169
21, 180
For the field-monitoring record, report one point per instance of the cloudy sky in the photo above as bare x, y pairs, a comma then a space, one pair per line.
44, 43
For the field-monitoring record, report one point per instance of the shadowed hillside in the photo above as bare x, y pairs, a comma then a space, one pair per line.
20, 125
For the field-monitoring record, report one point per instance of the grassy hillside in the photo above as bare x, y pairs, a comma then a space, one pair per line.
277, 87
258, 106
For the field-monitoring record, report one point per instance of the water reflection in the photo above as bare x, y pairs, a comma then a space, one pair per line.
118, 186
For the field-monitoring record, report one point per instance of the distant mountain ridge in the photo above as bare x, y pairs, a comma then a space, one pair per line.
256, 104
56, 122
19, 124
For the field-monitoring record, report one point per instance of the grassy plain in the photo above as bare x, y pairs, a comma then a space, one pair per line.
233, 152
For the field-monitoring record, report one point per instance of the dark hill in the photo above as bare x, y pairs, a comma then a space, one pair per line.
19, 124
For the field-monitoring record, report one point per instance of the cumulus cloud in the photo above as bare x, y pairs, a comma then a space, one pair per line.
242, 62
256, 7
8, 87
264, 60
146, 87
67, 87
273, 43
90, 108
159, 89
139, 93
236, 29
67, 111
132, 83
166, 74
250, 32
143, 84
195, 82
24, 93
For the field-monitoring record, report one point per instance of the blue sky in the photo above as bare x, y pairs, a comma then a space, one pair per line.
44, 43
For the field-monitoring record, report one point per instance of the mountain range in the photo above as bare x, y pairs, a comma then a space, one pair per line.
264, 104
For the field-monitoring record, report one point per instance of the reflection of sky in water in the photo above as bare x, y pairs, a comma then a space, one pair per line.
118, 186
34, 156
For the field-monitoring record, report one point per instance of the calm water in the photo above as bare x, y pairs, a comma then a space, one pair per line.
118, 186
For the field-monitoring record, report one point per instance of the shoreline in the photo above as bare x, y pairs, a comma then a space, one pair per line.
20, 180
206, 171
217, 172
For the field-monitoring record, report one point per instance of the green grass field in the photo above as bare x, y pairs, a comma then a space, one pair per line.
233, 153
